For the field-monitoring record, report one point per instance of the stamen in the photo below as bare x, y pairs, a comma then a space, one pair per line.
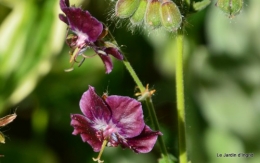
146, 93
101, 52
81, 62
104, 32
104, 96
85, 56
74, 55
100, 152
75, 60
70, 69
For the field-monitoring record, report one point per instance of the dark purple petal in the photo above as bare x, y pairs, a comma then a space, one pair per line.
127, 114
64, 4
144, 142
114, 52
82, 23
83, 127
107, 61
93, 107
63, 18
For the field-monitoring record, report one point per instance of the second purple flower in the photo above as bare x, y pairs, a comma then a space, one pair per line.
112, 121
87, 32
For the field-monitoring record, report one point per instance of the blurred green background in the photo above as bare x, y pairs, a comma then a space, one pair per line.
222, 83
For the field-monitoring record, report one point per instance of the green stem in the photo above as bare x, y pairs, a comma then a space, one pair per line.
100, 152
150, 107
133, 74
156, 126
149, 103
180, 98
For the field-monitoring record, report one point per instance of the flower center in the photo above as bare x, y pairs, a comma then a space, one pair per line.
82, 37
107, 131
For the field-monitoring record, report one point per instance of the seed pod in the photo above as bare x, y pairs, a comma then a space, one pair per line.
138, 16
152, 15
230, 7
126, 8
170, 15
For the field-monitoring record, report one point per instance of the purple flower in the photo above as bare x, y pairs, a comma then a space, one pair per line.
87, 32
112, 121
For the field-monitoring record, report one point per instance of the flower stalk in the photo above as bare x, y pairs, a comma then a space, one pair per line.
180, 98
150, 107
155, 123
101, 151
149, 102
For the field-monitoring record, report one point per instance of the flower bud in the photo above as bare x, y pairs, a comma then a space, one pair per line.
170, 15
126, 8
138, 16
152, 15
230, 7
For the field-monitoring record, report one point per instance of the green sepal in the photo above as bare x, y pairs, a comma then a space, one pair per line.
138, 16
170, 15
126, 8
152, 15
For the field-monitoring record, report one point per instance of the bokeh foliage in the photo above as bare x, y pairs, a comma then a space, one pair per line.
222, 81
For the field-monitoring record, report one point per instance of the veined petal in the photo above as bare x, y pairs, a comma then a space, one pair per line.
114, 52
93, 107
64, 4
83, 127
82, 23
63, 18
144, 142
107, 61
127, 114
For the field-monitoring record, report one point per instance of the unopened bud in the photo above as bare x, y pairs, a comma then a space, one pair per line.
230, 7
126, 8
152, 15
170, 15
138, 16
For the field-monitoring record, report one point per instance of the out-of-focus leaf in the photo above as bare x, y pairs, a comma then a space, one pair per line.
10, 3
32, 38
227, 107
233, 36
165, 52
40, 119
218, 141
29, 152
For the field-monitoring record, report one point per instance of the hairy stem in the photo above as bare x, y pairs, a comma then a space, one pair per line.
150, 107
149, 103
180, 98
156, 126
133, 74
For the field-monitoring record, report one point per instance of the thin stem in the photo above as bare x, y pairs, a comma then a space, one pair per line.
180, 98
149, 103
133, 74
156, 126
150, 107
100, 152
